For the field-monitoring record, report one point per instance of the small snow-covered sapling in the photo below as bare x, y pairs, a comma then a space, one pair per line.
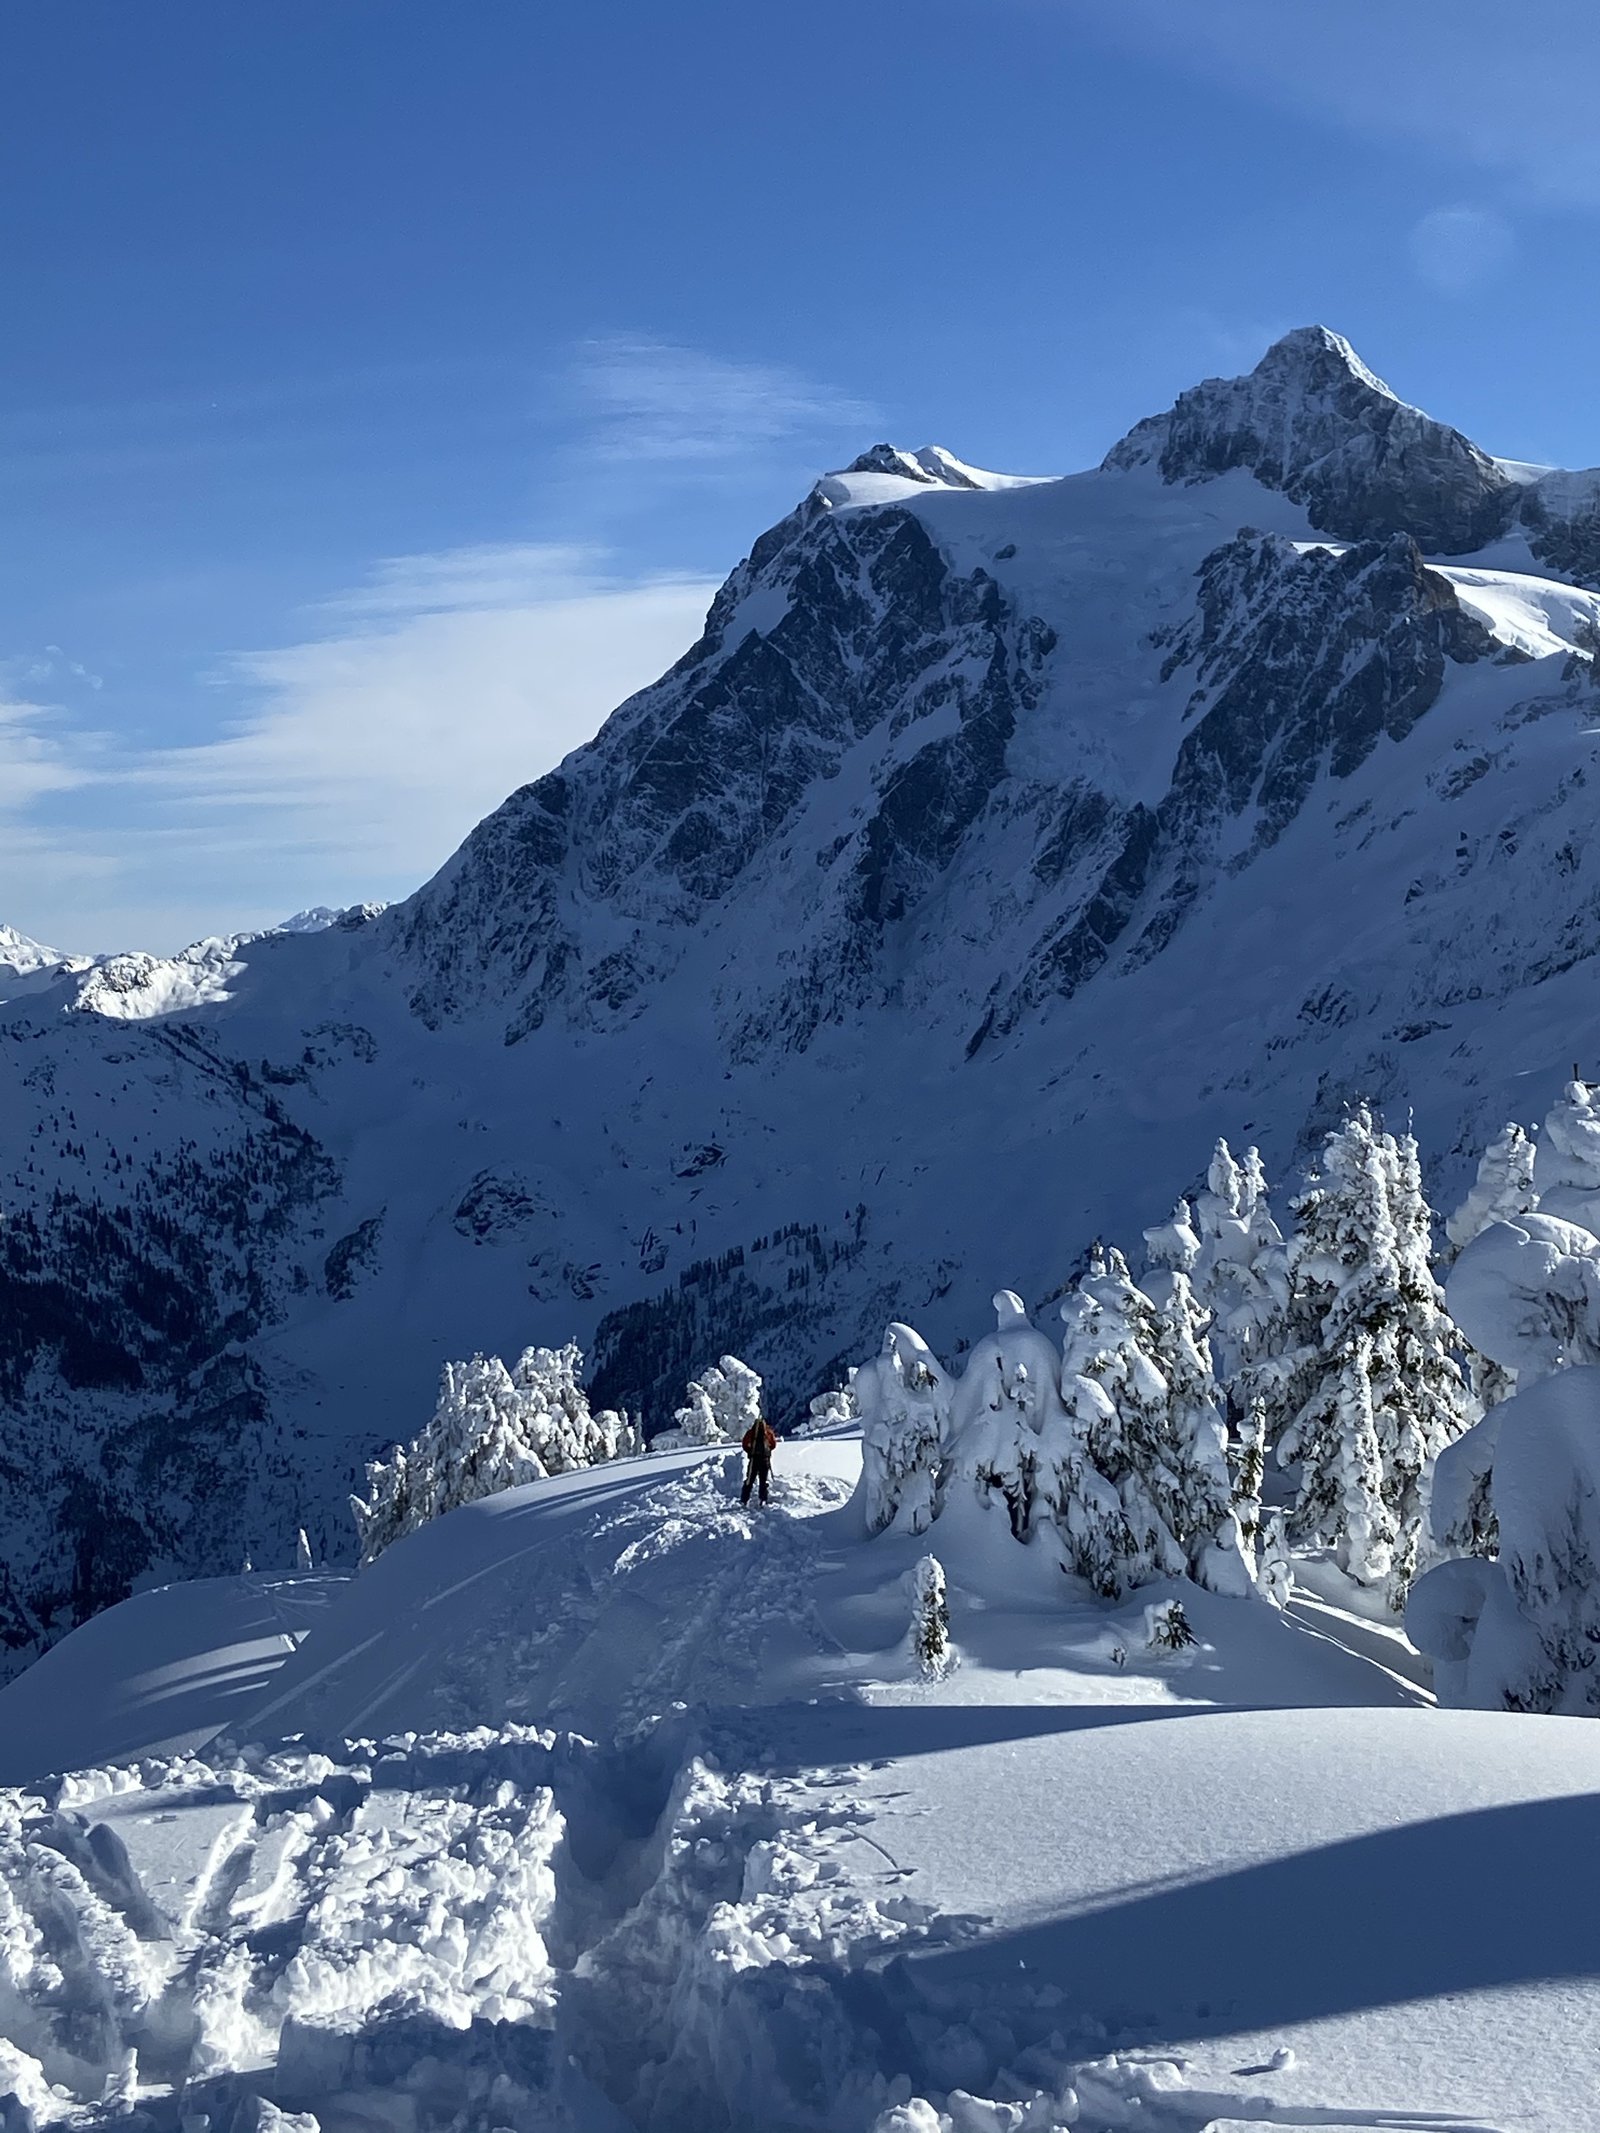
930, 1619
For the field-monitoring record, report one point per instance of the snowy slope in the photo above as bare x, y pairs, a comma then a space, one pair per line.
1000, 843
787, 1883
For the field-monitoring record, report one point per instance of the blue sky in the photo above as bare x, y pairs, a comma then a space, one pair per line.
385, 385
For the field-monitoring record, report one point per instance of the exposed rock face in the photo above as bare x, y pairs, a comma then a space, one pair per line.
1302, 660
1561, 516
695, 781
1313, 421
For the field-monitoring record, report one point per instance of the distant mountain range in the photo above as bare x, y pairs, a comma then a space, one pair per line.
1000, 843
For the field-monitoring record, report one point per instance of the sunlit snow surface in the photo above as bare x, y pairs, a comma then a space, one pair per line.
618, 1807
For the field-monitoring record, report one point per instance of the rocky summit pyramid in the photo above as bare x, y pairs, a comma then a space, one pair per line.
1000, 843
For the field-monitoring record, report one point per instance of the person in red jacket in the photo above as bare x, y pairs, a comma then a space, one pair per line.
759, 1442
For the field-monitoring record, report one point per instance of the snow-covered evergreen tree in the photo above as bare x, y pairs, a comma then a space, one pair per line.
492, 1429
835, 1409
1019, 1449
1006, 1397
1172, 1246
1249, 1461
1566, 1165
1526, 1294
903, 1397
719, 1406
564, 1432
1159, 1436
1240, 1271
1372, 1384
1167, 1627
1502, 1190
1275, 1572
930, 1619
1088, 1515
1522, 1632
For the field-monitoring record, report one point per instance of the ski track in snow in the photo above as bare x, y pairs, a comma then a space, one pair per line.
686, 1928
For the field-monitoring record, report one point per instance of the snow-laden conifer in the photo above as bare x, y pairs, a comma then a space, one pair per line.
930, 1619
1159, 1435
1372, 1386
1173, 1245
903, 1397
1522, 1632
564, 1431
1502, 1190
1566, 1165
492, 1429
1088, 1514
1249, 1462
837, 1408
1275, 1569
1240, 1272
1006, 1399
1167, 1627
718, 1407
1019, 1450
1526, 1294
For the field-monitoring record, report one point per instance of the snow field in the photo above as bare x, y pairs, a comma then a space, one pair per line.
796, 1885
189, 1922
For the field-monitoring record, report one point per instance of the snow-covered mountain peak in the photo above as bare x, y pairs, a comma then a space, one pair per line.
20, 954
929, 467
1312, 421
319, 918
1315, 358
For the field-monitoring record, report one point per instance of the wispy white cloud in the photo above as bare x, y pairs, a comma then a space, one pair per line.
1505, 90
351, 759
355, 759
650, 400
40, 750
451, 680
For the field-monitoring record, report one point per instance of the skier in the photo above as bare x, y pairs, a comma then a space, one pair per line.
759, 1442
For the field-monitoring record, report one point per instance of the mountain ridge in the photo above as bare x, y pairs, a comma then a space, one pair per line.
998, 844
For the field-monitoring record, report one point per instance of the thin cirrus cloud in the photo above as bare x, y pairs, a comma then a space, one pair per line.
41, 752
351, 762
439, 686
652, 401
